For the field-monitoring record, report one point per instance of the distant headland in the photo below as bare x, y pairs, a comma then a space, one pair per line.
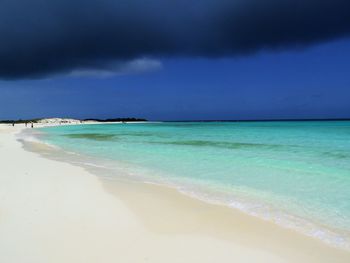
71, 120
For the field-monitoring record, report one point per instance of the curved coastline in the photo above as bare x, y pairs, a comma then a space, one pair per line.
250, 207
153, 190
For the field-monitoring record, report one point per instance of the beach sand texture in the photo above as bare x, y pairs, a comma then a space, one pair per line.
52, 211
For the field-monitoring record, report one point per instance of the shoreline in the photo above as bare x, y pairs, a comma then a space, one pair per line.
163, 218
103, 172
253, 207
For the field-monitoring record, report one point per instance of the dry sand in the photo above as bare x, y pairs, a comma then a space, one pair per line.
52, 211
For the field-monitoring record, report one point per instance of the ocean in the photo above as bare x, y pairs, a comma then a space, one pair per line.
296, 174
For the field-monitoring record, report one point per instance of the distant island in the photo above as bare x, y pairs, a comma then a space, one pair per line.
116, 120
70, 120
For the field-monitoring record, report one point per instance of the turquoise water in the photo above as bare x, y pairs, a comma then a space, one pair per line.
296, 174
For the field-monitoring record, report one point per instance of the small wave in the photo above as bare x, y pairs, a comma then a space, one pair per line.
268, 213
34, 138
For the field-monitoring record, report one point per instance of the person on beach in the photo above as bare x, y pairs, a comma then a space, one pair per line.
32, 125
13, 124
26, 124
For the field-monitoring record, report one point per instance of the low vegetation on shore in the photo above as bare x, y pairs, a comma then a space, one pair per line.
68, 120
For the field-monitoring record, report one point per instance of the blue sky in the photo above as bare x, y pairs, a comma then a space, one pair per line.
175, 60
313, 82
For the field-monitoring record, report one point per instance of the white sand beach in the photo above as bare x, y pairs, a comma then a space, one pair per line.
52, 211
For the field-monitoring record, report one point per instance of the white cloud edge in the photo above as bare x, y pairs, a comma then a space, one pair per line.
135, 66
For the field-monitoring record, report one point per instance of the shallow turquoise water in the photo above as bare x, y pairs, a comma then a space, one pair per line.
294, 173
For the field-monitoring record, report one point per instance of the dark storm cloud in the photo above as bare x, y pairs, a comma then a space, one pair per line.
44, 37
